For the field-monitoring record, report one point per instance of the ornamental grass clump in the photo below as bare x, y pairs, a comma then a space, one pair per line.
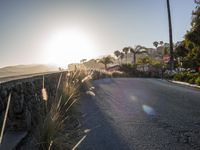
51, 130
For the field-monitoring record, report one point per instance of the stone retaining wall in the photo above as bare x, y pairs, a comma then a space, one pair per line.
26, 95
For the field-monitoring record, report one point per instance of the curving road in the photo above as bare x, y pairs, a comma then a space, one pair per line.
141, 114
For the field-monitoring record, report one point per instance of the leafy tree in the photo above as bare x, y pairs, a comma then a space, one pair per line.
106, 60
181, 50
188, 51
192, 39
137, 50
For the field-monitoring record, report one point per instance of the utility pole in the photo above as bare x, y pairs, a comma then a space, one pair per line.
170, 37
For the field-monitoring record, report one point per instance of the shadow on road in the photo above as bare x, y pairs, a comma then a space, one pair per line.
102, 135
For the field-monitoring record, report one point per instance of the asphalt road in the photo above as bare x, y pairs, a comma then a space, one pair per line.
141, 114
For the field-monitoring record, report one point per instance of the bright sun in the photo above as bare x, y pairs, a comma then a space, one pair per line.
68, 46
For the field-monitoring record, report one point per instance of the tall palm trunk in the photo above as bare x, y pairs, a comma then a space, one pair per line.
170, 37
106, 68
134, 57
118, 60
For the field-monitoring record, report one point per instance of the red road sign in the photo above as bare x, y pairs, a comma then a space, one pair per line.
166, 58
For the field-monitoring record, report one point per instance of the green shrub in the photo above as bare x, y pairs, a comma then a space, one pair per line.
197, 81
182, 76
179, 76
192, 78
168, 76
130, 70
192, 81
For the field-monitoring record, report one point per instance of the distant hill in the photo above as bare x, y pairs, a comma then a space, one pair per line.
25, 69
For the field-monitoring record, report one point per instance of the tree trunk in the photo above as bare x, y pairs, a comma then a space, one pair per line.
170, 37
105, 66
134, 57
118, 61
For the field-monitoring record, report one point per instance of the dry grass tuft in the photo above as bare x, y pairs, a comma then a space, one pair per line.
51, 130
5, 118
44, 94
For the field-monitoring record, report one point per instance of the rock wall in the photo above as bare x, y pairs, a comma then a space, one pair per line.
25, 99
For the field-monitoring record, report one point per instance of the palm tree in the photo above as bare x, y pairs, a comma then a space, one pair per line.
170, 37
106, 60
121, 56
126, 50
161, 43
117, 54
137, 50
155, 44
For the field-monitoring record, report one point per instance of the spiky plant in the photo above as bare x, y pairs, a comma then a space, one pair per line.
51, 130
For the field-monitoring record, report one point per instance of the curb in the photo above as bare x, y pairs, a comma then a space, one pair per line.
184, 84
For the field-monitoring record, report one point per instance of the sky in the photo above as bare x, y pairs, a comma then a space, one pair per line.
65, 31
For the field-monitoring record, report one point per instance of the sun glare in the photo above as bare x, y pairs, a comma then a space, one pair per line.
68, 46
